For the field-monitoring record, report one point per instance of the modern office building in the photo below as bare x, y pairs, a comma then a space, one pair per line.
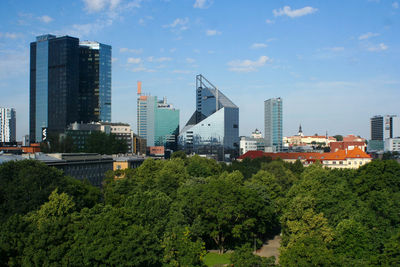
54, 84
273, 126
157, 121
392, 145
94, 82
213, 129
382, 128
69, 82
7, 125
377, 128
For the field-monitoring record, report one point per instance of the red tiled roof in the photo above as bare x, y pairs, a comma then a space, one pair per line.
309, 156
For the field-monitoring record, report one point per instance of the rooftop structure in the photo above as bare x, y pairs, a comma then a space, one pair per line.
213, 129
343, 159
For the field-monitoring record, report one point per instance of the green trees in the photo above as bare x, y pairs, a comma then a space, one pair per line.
243, 257
338, 137
26, 185
169, 212
226, 212
102, 143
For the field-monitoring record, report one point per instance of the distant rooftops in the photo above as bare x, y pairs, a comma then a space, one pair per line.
309, 156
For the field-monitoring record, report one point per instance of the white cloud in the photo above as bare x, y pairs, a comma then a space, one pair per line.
143, 21
128, 50
9, 35
81, 30
160, 59
13, 63
293, 13
212, 32
134, 60
395, 5
268, 21
45, 19
112, 6
258, 45
377, 48
177, 22
182, 71
95, 5
202, 3
367, 35
247, 65
335, 48
178, 25
142, 69
163, 59
190, 60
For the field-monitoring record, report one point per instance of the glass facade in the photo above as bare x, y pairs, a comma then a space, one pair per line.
157, 122
94, 82
105, 83
166, 127
213, 128
273, 127
68, 83
42, 66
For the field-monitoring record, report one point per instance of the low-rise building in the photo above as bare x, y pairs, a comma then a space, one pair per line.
343, 159
349, 145
392, 144
126, 162
255, 142
81, 131
17, 149
81, 166
301, 140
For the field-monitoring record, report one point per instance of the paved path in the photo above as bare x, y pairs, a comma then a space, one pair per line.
271, 248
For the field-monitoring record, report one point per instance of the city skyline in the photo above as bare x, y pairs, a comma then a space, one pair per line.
335, 65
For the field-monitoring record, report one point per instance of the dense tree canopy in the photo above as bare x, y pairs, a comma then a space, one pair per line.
170, 212
102, 143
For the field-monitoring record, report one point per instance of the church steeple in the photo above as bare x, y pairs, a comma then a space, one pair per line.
300, 133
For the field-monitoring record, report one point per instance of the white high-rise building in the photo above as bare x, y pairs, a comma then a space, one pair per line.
273, 127
7, 125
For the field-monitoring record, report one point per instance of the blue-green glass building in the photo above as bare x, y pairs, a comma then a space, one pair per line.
273, 124
157, 122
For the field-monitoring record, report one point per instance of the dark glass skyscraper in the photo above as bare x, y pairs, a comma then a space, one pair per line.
68, 83
54, 84
94, 82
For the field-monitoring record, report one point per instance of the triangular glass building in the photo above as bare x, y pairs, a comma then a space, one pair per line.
213, 129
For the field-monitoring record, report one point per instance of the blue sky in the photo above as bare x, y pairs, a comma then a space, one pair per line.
334, 63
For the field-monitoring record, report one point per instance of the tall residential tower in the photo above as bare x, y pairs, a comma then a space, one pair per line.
273, 127
7, 125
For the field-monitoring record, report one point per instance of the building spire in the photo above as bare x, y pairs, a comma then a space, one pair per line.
300, 133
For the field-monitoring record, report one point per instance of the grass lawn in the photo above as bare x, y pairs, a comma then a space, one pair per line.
212, 259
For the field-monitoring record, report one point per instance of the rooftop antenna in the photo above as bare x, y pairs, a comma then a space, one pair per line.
139, 87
